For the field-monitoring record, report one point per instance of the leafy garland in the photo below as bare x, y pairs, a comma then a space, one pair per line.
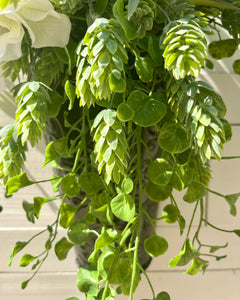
129, 67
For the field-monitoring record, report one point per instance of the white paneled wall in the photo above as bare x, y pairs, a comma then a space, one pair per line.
56, 280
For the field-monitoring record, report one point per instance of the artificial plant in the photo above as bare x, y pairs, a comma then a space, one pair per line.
113, 87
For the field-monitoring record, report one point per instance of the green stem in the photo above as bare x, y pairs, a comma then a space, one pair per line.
217, 228
193, 216
226, 157
148, 279
105, 291
151, 220
200, 221
216, 193
137, 239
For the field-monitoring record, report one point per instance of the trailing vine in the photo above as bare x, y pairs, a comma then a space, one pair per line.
134, 124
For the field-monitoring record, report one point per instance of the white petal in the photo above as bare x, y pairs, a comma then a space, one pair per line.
34, 10
52, 31
11, 34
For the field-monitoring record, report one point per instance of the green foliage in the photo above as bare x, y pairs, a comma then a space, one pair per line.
12, 153
101, 59
140, 110
111, 146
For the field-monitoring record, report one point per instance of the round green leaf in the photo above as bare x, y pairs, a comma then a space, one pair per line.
173, 138
236, 66
78, 232
117, 85
115, 267
70, 185
123, 207
195, 191
148, 111
170, 213
26, 260
87, 280
125, 112
160, 171
163, 296
223, 48
127, 185
155, 245
157, 192
62, 248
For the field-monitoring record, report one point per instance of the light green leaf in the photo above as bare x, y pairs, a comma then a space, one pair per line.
117, 85
67, 215
37, 205
62, 248
78, 232
160, 171
55, 103
17, 248
56, 149
132, 6
26, 260
127, 185
187, 253
155, 245
87, 280
125, 112
17, 182
147, 110
70, 92
197, 265
123, 207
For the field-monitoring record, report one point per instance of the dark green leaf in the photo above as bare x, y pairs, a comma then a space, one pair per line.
147, 111
236, 66
170, 213
54, 105
62, 248
29, 210
163, 296
231, 200
195, 191
17, 182
24, 284
78, 232
90, 183
144, 67
160, 171
17, 248
70, 185
123, 207
155, 245
87, 280
215, 248
187, 253
237, 232
223, 48
173, 138
26, 260
156, 192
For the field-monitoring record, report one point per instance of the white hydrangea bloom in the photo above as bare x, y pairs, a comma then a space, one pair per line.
46, 27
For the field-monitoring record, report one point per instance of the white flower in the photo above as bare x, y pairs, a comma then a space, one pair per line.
46, 27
